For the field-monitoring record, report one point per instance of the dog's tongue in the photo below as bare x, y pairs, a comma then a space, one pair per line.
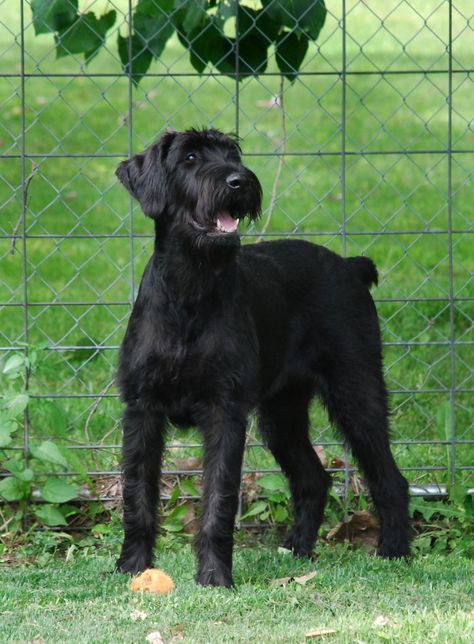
226, 223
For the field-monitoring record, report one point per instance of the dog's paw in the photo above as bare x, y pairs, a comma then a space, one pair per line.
133, 564
393, 550
299, 546
216, 576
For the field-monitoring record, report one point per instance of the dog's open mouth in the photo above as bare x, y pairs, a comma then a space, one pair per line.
225, 223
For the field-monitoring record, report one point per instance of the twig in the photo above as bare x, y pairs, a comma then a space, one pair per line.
281, 160
34, 170
93, 410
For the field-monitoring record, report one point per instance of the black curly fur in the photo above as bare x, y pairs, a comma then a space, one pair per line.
219, 330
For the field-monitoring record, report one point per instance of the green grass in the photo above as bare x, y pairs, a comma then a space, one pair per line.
396, 194
429, 600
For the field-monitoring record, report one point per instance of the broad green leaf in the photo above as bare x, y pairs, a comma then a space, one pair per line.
304, 15
172, 526
207, 43
280, 514
18, 469
57, 490
290, 52
256, 508
272, 482
12, 489
84, 36
50, 515
48, 451
14, 405
141, 57
7, 428
15, 365
154, 32
188, 487
52, 15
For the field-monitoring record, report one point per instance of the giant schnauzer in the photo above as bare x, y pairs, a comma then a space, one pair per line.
219, 330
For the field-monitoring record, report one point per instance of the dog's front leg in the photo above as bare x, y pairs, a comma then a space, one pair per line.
224, 442
143, 443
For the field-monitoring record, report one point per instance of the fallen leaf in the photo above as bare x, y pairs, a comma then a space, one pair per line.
338, 463
154, 638
154, 581
361, 528
302, 580
188, 463
319, 449
138, 614
284, 551
321, 632
381, 620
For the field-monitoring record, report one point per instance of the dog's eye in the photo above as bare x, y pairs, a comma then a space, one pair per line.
191, 157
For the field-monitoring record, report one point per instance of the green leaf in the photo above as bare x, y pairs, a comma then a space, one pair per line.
298, 14
52, 15
207, 43
15, 365
189, 14
256, 508
12, 489
14, 405
50, 515
85, 36
7, 427
48, 451
58, 491
153, 31
272, 482
18, 469
188, 487
141, 57
290, 52
280, 514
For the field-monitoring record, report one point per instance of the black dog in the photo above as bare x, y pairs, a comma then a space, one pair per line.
218, 330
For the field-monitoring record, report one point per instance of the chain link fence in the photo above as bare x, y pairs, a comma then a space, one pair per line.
369, 151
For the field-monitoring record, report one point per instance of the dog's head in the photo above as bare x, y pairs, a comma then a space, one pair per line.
194, 179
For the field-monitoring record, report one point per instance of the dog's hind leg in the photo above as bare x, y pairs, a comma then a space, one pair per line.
224, 442
357, 405
284, 424
143, 443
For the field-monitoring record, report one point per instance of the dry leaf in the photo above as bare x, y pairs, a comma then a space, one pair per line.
283, 581
188, 463
154, 638
319, 449
321, 632
138, 614
305, 578
338, 463
154, 581
362, 528
381, 620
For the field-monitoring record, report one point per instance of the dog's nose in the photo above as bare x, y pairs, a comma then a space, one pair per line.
234, 180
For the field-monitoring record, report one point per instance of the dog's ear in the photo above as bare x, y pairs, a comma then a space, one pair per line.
145, 177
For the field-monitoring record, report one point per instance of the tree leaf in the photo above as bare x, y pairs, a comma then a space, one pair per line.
50, 515
85, 36
53, 15
48, 451
153, 31
141, 57
290, 52
298, 14
58, 491
12, 489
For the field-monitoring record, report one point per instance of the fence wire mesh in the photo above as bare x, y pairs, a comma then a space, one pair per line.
369, 151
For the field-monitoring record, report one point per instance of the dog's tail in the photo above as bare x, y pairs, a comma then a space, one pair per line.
365, 270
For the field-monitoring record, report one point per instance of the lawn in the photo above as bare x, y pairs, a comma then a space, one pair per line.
85, 249
360, 598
